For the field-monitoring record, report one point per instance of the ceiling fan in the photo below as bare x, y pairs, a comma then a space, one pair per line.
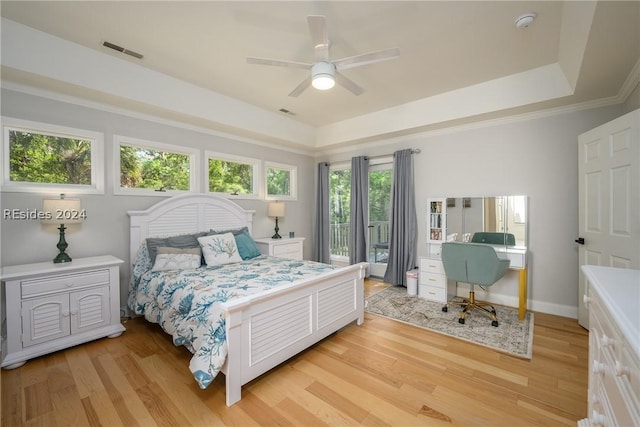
325, 73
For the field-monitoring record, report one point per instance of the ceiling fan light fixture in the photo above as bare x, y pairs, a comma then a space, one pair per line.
323, 75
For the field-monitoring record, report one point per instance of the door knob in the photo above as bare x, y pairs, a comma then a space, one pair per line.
580, 240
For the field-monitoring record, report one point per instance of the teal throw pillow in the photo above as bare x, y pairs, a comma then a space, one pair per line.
246, 246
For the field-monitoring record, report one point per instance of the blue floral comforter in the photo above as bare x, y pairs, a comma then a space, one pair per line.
186, 303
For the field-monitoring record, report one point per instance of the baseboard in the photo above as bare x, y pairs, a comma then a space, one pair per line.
511, 301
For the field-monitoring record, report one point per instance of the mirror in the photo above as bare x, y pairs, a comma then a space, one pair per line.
467, 216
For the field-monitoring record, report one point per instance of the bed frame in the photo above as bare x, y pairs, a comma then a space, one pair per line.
293, 317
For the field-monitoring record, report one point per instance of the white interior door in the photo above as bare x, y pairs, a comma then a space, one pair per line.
608, 199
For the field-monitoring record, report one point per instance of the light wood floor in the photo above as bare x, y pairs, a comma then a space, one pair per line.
381, 373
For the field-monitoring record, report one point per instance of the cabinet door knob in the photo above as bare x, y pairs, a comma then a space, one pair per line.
597, 419
69, 284
586, 299
65, 313
621, 370
608, 341
598, 367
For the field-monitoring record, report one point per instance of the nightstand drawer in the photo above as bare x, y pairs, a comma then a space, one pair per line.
430, 265
49, 284
430, 279
286, 250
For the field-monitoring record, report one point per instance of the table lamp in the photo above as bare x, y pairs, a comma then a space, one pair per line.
276, 209
62, 211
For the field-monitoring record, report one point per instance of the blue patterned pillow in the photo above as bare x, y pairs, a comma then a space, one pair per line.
219, 249
246, 246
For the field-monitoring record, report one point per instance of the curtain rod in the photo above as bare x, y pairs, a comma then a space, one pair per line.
413, 151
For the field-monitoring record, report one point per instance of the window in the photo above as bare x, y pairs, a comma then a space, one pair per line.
153, 168
281, 181
40, 157
233, 175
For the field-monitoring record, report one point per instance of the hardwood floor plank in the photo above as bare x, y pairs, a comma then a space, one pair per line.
84, 373
68, 408
37, 400
195, 412
101, 411
124, 398
298, 415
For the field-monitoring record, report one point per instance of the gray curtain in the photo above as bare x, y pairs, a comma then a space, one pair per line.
359, 210
321, 251
403, 224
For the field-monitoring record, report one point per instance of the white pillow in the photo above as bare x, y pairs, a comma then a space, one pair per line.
177, 259
219, 249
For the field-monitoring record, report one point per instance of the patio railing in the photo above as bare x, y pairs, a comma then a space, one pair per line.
339, 238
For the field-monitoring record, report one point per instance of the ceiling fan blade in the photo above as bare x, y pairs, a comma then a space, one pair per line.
367, 58
319, 39
278, 62
301, 87
348, 84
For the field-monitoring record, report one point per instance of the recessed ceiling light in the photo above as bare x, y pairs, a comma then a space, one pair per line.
523, 21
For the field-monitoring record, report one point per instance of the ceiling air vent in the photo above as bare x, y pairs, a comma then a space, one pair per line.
122, 50
284, 110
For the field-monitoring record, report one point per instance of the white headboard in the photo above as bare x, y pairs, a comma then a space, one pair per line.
188, 213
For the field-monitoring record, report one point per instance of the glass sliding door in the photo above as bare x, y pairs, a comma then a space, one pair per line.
380, 176
339, 197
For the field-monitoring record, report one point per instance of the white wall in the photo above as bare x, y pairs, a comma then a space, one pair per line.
106, 229
534, 157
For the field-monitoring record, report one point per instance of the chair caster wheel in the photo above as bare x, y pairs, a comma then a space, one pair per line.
461, 321
494, 323
445, 309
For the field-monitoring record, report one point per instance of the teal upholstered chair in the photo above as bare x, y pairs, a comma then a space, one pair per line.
493, 238
475, 264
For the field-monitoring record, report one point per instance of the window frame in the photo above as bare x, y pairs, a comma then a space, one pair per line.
256, 169
194, 162
293, 181
97, 158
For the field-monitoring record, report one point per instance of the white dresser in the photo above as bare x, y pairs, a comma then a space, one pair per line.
284, 248
434, 285
613, 298
50, 306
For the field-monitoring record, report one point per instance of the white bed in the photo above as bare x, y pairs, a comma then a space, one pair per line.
326, 303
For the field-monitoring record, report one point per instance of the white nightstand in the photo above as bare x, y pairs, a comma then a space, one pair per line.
50, 306
285, 247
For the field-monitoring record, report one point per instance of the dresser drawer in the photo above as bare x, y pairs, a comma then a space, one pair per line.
431, 279
45, 285
430, 265
433, 293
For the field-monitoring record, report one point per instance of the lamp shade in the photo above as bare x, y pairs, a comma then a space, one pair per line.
62, 211
276, 209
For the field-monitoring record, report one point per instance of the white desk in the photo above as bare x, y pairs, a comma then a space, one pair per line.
517, 255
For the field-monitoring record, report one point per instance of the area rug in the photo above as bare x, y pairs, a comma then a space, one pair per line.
511, 336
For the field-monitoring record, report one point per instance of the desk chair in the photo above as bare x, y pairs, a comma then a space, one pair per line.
493, 238
475, 264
